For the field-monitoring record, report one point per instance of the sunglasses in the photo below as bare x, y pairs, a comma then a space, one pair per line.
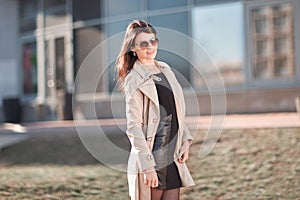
145, 44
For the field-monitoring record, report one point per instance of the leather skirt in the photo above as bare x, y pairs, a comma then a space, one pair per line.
163, 153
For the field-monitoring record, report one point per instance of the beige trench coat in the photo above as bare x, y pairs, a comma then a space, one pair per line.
143, 116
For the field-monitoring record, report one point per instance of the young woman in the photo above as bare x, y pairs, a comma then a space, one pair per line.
155, 112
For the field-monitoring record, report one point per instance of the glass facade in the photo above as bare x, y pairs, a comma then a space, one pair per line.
217, 26
28, 15
86, 11
273, 41
166, 4
114, 8
55, 12
175, 22
85, 41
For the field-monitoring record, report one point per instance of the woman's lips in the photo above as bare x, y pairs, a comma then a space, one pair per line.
150, 52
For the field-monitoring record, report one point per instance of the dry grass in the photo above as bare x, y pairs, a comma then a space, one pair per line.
249, 164
245, 164
62, 182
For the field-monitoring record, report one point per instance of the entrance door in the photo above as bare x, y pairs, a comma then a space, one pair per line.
55, 75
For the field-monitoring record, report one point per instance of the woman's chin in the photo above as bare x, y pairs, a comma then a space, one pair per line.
152, 55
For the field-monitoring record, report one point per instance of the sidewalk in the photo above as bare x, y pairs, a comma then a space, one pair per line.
246, 121
236, 121
11, 134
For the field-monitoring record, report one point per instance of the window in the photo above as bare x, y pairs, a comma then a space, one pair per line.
121, 7
118, 17
29, 68
85, 11
60, 63
55, 12
218, 28
28, 14
158, 4
272, 41
261, 47
86, 39
170, 45
114, 46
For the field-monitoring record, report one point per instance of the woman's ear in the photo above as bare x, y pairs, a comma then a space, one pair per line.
132, 49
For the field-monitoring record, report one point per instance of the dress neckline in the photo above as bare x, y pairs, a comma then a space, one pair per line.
158, 76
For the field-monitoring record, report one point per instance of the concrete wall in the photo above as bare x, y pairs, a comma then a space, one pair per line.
247, 101
253, 101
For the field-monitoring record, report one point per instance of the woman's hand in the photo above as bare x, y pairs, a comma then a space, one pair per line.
185, 148
150, 177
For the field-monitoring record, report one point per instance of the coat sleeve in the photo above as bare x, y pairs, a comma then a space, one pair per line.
187, 135
134, 117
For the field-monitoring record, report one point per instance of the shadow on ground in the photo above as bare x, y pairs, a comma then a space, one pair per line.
61, 147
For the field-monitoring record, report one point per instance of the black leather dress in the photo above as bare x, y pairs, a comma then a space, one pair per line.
166, 136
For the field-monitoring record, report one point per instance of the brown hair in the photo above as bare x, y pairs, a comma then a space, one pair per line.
126, 58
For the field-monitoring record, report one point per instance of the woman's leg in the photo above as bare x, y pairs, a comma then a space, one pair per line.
172, 194
156, 194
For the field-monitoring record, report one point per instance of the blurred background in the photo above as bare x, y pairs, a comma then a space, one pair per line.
44, 42
253, 44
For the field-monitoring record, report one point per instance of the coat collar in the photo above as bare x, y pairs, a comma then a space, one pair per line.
138, 66
147, 85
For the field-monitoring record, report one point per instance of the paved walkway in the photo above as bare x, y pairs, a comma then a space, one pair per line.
242, 121
237, 121
11, 133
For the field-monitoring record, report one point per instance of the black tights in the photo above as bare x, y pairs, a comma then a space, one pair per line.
157, 194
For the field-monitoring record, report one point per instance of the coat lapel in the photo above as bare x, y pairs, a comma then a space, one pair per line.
147, 86
175, 89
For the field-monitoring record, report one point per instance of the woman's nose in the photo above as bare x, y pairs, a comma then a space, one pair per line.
150, 46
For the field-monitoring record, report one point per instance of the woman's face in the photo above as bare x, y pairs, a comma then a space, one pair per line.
145, 46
